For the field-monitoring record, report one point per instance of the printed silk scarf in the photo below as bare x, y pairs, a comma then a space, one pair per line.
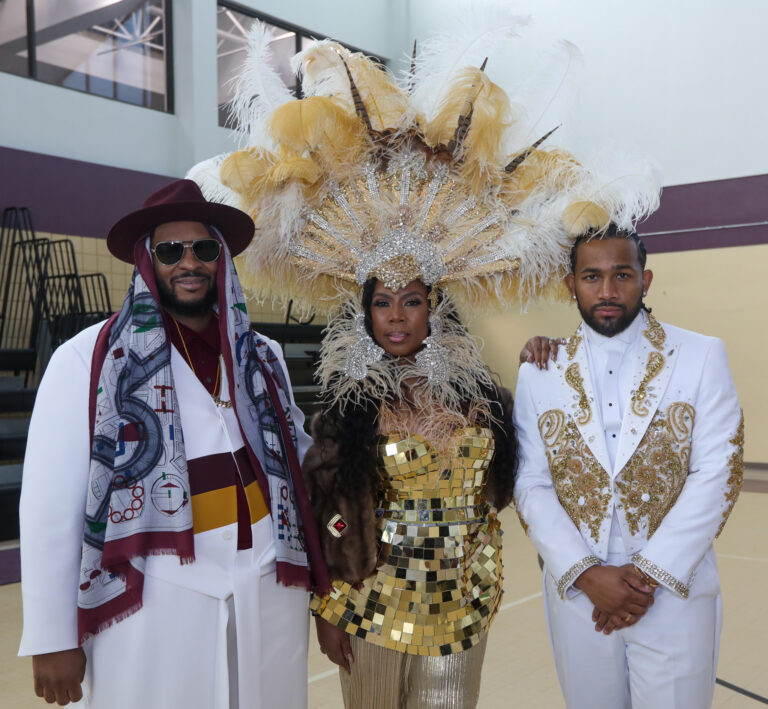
138, 500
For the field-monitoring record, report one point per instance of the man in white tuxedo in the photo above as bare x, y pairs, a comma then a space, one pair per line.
631, 448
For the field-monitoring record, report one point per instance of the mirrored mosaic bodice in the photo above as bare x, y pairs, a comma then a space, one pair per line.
439, 583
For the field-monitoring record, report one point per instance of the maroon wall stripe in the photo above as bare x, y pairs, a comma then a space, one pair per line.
85, 199
71, 196
709, 215
706, 239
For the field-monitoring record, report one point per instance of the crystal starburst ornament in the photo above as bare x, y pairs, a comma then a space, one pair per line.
363, 353
433, 358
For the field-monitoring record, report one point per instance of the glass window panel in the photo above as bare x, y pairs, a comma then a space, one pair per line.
232, 44
112, 48
13, 37
232, 30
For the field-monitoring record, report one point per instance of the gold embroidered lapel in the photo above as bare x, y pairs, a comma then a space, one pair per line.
578, 388
655, 363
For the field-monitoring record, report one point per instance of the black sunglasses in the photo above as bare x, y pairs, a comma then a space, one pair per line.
171, 252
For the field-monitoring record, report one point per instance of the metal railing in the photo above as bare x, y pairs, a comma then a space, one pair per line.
45, 300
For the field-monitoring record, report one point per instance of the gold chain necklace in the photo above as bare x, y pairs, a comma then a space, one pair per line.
216, 400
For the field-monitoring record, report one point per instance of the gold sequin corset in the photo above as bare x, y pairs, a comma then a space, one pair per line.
439, 585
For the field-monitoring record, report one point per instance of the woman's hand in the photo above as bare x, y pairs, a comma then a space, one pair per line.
334, 642
538, 348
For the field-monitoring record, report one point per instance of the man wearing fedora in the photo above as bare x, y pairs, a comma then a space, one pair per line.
164, 559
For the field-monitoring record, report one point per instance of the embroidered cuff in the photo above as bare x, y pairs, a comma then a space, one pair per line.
574, 572
660, 575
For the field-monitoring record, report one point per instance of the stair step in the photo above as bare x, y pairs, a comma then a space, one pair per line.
301, 373
10, 489
10, 476
22, 360
301, 349
13, 437
11, 382
16, 400
292, 333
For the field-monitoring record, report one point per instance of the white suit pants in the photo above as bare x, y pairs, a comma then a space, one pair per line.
188, 650
667, 660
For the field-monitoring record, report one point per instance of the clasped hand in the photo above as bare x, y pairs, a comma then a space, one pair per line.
619, 595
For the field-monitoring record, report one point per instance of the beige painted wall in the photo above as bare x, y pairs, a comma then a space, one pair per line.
719, 292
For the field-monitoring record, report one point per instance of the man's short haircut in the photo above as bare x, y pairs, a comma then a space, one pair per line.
611, 232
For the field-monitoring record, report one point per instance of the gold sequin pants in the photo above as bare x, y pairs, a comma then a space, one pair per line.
387, 679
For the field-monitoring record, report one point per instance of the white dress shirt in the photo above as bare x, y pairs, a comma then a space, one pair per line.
611, 361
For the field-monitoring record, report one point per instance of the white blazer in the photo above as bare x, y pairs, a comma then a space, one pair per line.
55, 487
678, 467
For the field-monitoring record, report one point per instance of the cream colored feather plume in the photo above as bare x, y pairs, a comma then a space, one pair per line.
322, 67
363, 179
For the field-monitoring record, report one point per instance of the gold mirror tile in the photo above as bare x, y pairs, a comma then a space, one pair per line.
440, 587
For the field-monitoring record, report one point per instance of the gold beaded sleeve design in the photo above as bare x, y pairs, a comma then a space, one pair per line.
439, 586
736, 478
656, 572
567, 579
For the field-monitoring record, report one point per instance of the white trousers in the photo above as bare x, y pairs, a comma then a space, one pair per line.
188, 650
667, 660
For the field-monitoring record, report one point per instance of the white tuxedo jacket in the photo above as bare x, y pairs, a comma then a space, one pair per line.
678, 466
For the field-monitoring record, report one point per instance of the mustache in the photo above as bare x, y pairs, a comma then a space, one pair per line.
191, 274
606, 304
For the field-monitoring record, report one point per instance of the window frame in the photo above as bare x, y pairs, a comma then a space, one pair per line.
32, 63
300, 34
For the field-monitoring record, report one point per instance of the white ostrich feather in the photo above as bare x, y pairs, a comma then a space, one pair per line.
627, 186
322, 70
259, 90
475, 35
208, 178
546, 97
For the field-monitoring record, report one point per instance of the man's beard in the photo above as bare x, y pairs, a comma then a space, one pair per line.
613, 327
187, 308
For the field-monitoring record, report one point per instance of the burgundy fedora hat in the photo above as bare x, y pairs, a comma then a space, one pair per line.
180, 201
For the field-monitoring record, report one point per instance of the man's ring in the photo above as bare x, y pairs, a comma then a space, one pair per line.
627, 617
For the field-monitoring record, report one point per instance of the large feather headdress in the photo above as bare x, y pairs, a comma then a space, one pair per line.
370, 176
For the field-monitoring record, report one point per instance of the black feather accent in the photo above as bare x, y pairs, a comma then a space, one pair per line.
359, 105
512, 166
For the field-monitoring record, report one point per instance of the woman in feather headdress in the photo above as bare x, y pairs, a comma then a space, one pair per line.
390, 208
